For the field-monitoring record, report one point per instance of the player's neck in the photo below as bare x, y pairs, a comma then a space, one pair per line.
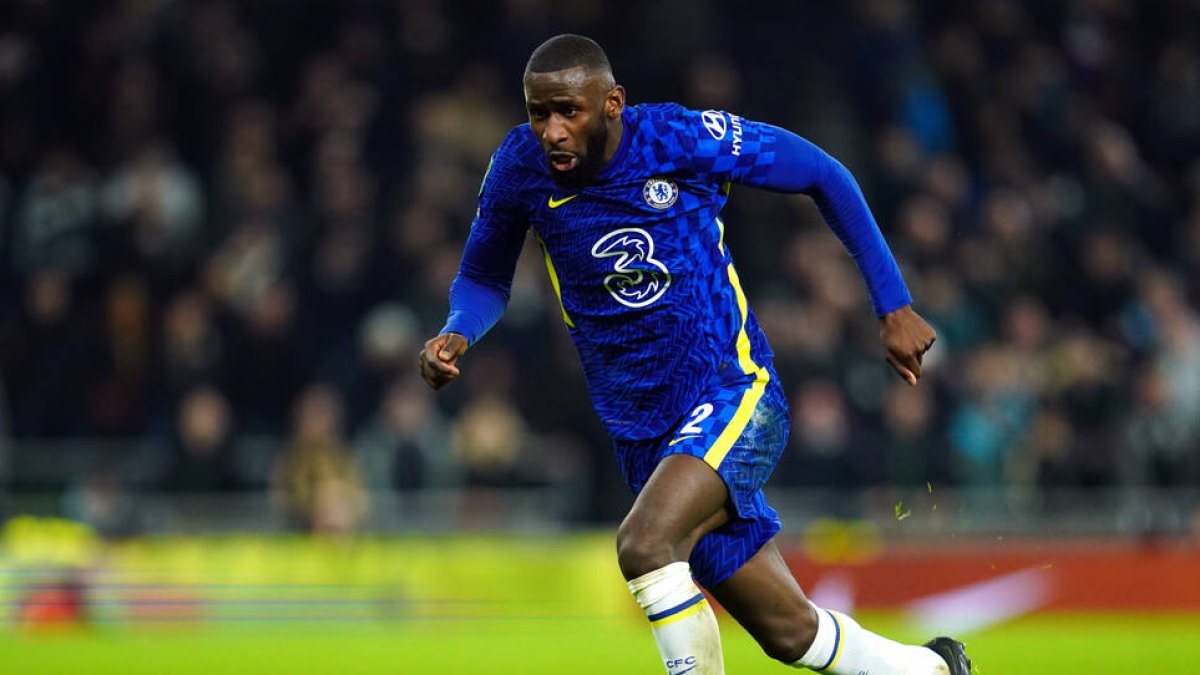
616, 129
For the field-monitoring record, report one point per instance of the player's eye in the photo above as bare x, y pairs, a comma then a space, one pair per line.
570, 111
537, 114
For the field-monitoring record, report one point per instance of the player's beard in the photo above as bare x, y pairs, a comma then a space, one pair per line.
591, 161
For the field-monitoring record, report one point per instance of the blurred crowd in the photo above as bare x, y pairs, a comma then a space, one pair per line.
222, 221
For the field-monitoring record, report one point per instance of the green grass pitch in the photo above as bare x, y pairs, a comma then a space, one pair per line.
1053, 644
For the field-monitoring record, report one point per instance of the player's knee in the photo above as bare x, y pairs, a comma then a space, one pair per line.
640, 550
788, 643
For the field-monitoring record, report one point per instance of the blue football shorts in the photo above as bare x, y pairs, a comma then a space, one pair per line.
739, 426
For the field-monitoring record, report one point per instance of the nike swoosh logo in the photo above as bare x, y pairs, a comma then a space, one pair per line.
555, 203
685, 670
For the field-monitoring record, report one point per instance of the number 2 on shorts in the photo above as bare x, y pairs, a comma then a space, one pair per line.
692, 428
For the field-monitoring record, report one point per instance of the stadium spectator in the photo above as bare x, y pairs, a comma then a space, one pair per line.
56, 224
402, 446
193, 347
100, 501
489, 438
826, 448
201, 459
915, 455
317, 481
45, 355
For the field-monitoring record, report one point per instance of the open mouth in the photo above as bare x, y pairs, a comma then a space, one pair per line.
563, 161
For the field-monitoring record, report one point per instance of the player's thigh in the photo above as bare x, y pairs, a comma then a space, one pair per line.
683, 500
764, 597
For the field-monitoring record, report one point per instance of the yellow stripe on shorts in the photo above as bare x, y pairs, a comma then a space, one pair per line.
716, 454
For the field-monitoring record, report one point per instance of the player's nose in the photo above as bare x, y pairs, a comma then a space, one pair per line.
555, 132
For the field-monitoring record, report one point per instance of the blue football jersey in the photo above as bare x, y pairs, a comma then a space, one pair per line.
648, 289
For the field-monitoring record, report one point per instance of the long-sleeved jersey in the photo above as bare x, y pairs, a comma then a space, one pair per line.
647, 287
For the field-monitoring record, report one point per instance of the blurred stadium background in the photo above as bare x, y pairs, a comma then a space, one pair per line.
226, 227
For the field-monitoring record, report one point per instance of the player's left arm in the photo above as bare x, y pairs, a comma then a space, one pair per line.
801, 166
727, 147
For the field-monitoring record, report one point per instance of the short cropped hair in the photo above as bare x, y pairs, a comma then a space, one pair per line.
566, 51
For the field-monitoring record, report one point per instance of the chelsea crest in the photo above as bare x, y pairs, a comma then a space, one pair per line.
660, 193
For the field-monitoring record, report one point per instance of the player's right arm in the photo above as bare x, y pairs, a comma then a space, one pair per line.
480, 291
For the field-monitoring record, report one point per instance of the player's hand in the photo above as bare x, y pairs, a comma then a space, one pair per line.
439, 357
906, 337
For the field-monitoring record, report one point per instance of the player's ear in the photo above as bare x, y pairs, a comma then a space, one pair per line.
614, 102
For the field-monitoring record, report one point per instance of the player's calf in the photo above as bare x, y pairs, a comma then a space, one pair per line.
786, 637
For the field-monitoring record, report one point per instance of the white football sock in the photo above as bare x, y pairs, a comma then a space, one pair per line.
684, 625
842, 647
